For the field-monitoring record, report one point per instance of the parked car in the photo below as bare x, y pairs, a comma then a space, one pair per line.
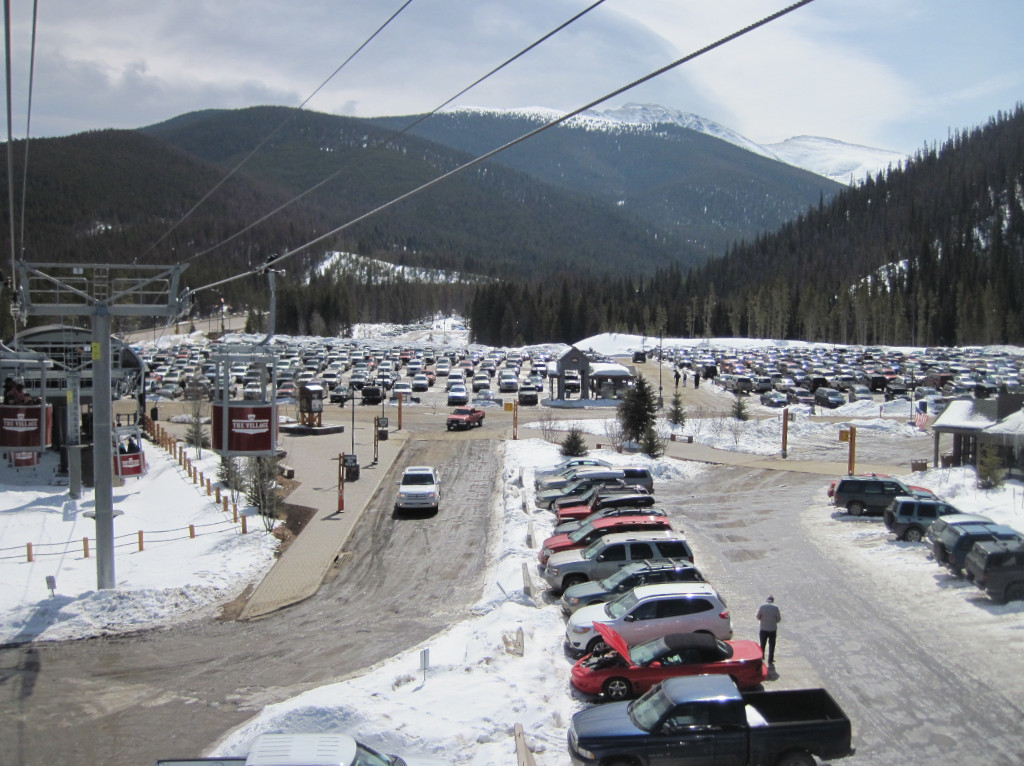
577, 473
592, 530
568, 527
540, 473
457, 395
622, 671
619, 498
873, 494
649, 612
420, 383
997, 567
527, 396
939, 526
800, 395
909, 518
703, 715
859, 393
828, 397
327, 749
774, 399
612, 552
419, 489
550, 499
628, 577
953, 545
372, 394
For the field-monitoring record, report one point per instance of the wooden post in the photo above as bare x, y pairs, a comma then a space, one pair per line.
209, 488
244, 526
85, 546
28, 546
785, 432
224, 500
234, 513
141, 546
853, 451
217, 494
192, 531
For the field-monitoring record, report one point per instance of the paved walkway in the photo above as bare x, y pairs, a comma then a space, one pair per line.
299, 572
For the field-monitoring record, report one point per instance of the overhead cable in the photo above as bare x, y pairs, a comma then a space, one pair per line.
384, 141
515, 142
273, 132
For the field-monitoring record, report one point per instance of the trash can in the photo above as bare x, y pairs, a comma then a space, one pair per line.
382, 434
918, 466
352, 472
154, 414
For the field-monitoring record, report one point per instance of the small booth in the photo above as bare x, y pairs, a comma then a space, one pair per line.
311, 404
240, 427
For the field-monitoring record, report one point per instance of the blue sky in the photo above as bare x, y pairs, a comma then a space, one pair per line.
893, 74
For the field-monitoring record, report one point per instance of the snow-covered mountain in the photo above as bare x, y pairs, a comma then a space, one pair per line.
842, 162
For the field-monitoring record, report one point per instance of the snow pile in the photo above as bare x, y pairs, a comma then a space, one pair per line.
174, 577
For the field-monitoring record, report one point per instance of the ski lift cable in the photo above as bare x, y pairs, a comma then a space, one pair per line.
398, 134
272, 133
28, 125
514, 142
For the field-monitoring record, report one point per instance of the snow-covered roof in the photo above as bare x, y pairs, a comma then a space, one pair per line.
968, 415
1012, 426
609, 370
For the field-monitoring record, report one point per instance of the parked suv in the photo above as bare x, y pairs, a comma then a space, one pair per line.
873, 494
650, 612
612, 552
627, 578
939, 527
909, 518
997, 567
420, 488
957, 542
591, 530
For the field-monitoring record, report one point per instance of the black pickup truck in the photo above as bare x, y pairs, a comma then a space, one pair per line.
705, 719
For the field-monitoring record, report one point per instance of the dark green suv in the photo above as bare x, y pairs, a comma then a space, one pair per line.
873, 494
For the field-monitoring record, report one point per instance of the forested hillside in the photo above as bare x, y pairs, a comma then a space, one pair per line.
931, 254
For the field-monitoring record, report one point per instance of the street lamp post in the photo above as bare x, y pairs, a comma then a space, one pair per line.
661, 341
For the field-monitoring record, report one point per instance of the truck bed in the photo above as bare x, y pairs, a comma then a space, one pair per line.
804, 719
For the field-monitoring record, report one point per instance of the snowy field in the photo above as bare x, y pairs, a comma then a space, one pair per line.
461, 709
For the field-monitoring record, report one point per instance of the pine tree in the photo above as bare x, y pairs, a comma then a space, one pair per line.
261, 488
739, 408
574, 445
651, 444
638, 410
676, 411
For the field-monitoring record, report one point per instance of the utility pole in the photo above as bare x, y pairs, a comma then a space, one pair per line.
101, 291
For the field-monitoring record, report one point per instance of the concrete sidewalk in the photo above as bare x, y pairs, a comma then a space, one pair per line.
299, 572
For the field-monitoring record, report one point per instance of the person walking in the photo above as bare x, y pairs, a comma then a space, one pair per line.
677, 377
769, 615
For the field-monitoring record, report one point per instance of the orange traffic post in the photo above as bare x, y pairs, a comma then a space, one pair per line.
853, 451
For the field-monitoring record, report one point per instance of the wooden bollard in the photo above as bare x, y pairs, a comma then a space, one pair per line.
192, 531
141, 547
225, 501
195, 474
28, 547
85, 546
244, 526
209, 488
217, 494
234, 512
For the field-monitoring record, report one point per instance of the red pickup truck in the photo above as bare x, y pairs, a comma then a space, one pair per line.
465, 417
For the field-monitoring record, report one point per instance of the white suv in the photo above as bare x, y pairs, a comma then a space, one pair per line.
420, 488
649, 612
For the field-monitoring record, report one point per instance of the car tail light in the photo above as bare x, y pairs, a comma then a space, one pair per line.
724, 614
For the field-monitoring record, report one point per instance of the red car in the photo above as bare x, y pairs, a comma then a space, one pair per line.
623, 672
591, 530
637, 500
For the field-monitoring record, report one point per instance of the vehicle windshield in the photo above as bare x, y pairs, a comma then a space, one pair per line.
582, 532
622, 604
593, 549
417, 478
645, 654
612, 581
366, 756
649, 709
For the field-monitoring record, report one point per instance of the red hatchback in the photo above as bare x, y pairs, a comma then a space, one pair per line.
591, 530
624, 672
